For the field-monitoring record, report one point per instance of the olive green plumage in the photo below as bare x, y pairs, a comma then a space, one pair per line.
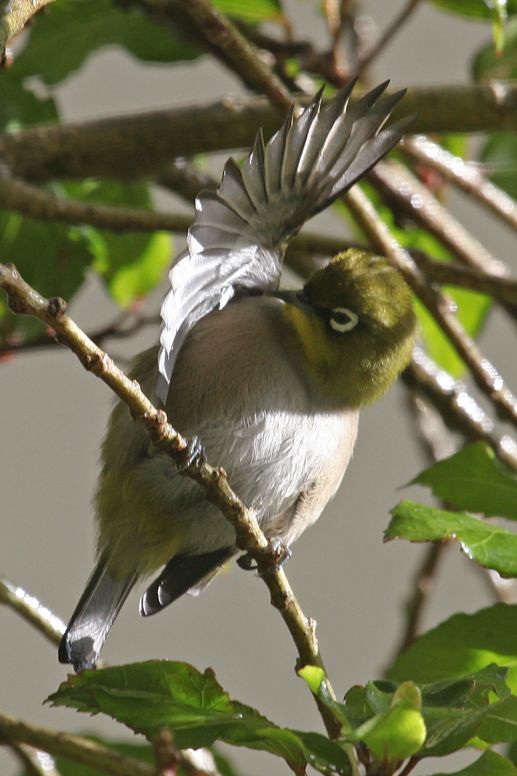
270, 381
358, 365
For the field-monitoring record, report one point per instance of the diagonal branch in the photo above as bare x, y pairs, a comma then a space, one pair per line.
463, 174
25, 300
31, 610
225, 37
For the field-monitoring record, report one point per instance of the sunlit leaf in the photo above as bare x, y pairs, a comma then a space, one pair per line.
160, 694
491, 546
463, 644
474, 479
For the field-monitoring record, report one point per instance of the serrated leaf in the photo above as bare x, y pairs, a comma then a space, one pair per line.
489, 764
148, 697
491, 546
461, 645
474, 479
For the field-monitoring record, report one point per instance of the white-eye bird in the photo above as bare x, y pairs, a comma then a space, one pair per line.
270, 381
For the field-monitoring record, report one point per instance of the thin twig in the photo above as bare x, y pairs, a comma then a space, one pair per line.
15, 16
139, 147
486, 376
119, 329
457, 408
225, 36
387, 36
32, 610
465, 175
25, 300
21, 197
79, 750
417, 201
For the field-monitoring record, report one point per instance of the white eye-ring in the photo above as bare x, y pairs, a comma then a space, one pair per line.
343, 319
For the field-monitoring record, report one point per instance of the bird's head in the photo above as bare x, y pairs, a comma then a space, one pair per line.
355, 325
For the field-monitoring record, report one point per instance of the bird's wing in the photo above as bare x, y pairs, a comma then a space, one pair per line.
240, 232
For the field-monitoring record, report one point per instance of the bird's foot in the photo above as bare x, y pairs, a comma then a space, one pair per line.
192, 453
278, 553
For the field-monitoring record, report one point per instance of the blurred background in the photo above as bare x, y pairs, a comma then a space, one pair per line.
53, 415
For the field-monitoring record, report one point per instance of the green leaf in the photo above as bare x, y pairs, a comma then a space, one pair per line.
489, 764
474, 479
463, 644
131, 264
148, 697
499, 153
491, 546
395, 734
253, 11
492, 10
500, 723
64, 36
501, 65
20, 107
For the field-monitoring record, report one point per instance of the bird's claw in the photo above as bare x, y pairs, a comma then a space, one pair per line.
278, 554
192, 453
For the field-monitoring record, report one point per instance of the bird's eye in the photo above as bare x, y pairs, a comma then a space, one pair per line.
342, 319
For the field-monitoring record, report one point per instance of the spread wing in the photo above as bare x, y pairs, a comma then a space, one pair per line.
238, 239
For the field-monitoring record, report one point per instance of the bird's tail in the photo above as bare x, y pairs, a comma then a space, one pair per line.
93, 617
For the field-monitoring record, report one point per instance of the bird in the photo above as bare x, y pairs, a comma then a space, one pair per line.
269, 380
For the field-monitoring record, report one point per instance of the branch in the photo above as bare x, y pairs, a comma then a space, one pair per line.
465, 175
31, 610
34, 761
416, 200
502, 288
15, 15
30, 201
25, 300
457, 408
111, 331
486, 376
141, 146
222, 34
79, 750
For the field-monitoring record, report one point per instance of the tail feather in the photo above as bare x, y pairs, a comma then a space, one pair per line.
183, 574
93, 617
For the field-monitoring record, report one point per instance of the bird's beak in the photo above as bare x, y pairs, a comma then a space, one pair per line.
297, 298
